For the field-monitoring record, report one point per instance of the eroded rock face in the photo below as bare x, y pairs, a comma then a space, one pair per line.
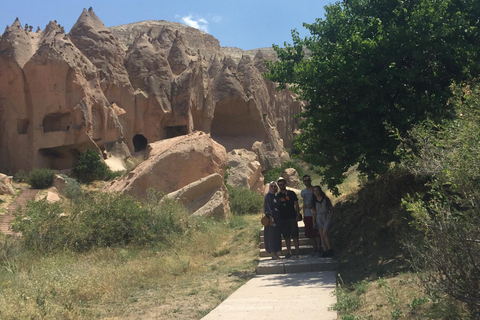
6, 185
134, 84
291, 176
244, 170
172, 164
205, 197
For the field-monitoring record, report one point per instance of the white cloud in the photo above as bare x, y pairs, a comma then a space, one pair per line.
200, 23
217, 19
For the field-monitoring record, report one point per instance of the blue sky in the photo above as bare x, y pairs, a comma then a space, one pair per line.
246, 24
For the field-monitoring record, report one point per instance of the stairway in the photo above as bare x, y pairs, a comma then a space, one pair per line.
303, 264
21, 200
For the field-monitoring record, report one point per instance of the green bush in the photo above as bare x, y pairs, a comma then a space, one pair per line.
244, 201
42, 227
90, 167
99, 220
20, 176
73, 189
447, 252
273, 174
112, 175
41, 178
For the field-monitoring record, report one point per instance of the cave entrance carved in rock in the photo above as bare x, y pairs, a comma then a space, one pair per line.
59, 158
139, 142
237, 124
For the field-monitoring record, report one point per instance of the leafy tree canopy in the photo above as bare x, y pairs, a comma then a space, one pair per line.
372, 66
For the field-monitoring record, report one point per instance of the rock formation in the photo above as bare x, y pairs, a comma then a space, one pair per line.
205, 197
244, 170
6, 185
128, 86
171, 164
291, 177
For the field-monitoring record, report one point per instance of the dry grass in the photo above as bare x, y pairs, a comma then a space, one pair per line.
184, 279
394, 298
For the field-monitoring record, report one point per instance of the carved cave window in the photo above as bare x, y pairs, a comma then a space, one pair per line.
176, 131
22, 126
96, 124
57, 122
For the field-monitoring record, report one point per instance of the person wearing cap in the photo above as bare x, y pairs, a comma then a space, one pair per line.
273, 237
289, 213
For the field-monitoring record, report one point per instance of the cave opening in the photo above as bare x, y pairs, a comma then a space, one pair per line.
139, 142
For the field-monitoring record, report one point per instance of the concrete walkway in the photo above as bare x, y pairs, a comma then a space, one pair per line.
304, 296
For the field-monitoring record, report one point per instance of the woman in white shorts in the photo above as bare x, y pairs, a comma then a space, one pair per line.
323, 215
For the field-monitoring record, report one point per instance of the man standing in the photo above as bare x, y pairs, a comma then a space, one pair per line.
289, 211
308, 213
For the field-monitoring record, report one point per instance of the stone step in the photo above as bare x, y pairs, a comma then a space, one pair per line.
304, 250
21, 200
303, 264
301, 236
301, 229
302, 241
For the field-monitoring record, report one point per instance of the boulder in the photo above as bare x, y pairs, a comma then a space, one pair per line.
6, 184
245, 170
291, 176
52, 197
205, 197
60, 184
172, 164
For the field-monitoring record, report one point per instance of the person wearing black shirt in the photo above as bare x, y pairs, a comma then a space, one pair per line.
289, 213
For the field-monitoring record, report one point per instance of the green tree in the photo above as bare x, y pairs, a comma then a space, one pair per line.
370, 66
90, 167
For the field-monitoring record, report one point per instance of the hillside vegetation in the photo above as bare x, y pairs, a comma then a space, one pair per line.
409, 240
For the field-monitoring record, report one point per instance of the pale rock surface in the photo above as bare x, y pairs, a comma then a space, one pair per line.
133, 85
52, 197
291, 176
172, 164
116, 157
245, 170
60, 184
205, 197
6, 184
115, 164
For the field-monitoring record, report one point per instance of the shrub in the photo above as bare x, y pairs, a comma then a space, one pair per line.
41, 178
99, 220
112, 175
244, 201
132, 162
448, 216
273, 174
90, 167
20, 176
73, 189
42, 227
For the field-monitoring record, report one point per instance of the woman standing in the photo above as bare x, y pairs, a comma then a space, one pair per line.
323, 216
272, 233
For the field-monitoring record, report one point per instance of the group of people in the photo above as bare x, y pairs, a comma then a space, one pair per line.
283, 209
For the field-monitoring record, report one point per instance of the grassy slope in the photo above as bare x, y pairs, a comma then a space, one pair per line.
375, 277
183, 279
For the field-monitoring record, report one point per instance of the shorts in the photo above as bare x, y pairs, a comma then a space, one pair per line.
309, 231
323, 222
290, 229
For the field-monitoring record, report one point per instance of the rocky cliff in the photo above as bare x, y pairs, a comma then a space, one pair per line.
132, 85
